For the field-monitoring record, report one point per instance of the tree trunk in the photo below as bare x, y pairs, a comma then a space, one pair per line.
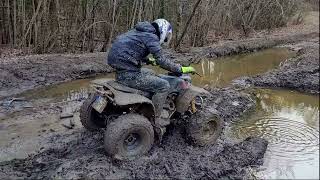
140, 10
178, 22
114, 23
15, 22
162, 9
8, 23
187, 24
32, 21
135, 7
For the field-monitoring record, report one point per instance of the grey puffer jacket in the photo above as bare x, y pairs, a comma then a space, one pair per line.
130, 50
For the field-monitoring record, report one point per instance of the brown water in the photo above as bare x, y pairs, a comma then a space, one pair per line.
220, 72
290, 122
68, 91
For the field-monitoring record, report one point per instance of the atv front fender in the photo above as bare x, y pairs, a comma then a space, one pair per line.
185, 98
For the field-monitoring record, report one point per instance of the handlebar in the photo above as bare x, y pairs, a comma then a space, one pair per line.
180, 74
198, 74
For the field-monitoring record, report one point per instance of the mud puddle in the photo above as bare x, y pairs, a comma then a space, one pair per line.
289, 121
68, 91
220, 72
217, 73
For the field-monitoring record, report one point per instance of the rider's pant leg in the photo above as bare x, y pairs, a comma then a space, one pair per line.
146, 80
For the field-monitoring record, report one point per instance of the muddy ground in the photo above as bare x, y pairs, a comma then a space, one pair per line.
300, 73
227, 48
80, 154
21, 73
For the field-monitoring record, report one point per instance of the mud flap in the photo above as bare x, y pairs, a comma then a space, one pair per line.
99, 104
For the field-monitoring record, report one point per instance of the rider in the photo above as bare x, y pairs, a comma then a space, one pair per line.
130, 50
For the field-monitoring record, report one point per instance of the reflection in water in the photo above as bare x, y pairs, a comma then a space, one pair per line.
221, 72
290, 122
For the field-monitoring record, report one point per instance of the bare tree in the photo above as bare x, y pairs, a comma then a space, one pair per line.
91, 25
187, 24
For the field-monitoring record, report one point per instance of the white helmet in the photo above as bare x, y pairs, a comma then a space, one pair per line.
165, 30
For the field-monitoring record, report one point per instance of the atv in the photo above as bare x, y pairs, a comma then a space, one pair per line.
127, 115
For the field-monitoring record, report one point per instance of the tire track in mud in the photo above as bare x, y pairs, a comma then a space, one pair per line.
83, 157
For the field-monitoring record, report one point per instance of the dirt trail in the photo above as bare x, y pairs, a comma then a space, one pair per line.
300, 73
80, 154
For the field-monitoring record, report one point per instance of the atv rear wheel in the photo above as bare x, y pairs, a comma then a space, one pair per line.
128, 137
89, 117
204, 131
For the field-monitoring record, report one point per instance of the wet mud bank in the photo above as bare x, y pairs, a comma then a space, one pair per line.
300, 73
242, 46
18, 74
227, 104
80, 154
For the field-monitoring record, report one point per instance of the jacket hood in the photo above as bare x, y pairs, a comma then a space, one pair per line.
145, 27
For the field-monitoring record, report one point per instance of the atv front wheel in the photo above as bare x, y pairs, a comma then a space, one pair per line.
128, 137
89, 117
204, 131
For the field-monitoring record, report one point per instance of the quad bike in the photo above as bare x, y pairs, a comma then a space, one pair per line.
127, 115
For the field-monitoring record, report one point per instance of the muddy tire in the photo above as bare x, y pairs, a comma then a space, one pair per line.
128, 137
88, 115
204, 132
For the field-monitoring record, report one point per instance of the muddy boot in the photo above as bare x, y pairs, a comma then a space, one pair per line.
159, 100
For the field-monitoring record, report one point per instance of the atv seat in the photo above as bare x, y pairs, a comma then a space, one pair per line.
120, 87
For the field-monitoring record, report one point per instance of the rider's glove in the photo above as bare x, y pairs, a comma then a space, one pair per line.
187, 70
152, 61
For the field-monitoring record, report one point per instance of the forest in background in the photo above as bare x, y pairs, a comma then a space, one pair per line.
46, 26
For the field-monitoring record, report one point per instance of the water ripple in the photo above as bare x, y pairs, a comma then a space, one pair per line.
288, 139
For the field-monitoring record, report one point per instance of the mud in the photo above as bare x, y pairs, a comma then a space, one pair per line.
83, 157
227, 103
80, 154
18, 74
228, 48
300, 73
